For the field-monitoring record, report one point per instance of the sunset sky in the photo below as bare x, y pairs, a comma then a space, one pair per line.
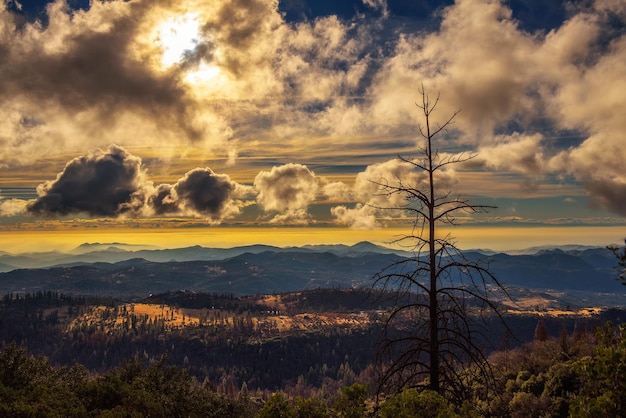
228, 122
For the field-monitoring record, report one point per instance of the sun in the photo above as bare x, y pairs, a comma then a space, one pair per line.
177, 36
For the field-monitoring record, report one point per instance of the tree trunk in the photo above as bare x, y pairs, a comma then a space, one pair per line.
433, 308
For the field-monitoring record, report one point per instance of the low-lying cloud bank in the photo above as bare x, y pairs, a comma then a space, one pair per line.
114, 183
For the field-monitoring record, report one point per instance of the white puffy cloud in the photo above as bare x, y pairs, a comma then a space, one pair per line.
515, 153
571, 77
372, 200
377, 190
292, 217
288, 189
12, 207
360, 217
378, 5
478, 59
337, 190
594, 103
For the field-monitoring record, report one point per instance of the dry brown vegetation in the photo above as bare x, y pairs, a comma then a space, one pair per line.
543, 306
264, 323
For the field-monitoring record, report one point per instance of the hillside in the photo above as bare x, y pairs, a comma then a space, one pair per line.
314, 333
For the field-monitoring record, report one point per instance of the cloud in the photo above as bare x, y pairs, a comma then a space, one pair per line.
83, 64
607, 193
292, 217
337, 190
590, 103
371, 199
375, 203
378, 5
569, 78
238, 28
95, 76
12, 207
478, 59
97, 184
159, 200
359, 217
596, 164
514, 153
201, 192
114, 183
287, 189
339, 86
570, 201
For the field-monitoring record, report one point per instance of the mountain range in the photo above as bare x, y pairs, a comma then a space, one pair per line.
116, 252
576, 276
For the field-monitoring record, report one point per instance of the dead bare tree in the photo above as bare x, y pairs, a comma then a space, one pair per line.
443, 295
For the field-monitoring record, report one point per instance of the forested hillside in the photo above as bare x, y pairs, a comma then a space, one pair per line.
313, 349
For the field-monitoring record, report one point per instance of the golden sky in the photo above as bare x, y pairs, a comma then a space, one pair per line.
241, 114
499, 238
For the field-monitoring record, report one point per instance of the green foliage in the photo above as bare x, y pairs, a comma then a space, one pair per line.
311, 408
351, 401
603, 377
411, 403
277, 407
526, 404
31, 387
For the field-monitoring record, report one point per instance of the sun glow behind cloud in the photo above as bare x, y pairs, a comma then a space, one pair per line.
205, 73
177, 36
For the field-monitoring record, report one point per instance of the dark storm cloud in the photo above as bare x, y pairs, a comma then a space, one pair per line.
112, 183
95, 70
98, 184
609, 194
161, 200
204, 192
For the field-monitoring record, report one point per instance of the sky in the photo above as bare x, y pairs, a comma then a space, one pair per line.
263, 121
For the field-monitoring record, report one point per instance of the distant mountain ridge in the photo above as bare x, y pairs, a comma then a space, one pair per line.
578, 276
100, 246
116, 252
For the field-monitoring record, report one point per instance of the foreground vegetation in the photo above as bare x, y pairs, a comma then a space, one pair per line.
307, 354
581, 375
